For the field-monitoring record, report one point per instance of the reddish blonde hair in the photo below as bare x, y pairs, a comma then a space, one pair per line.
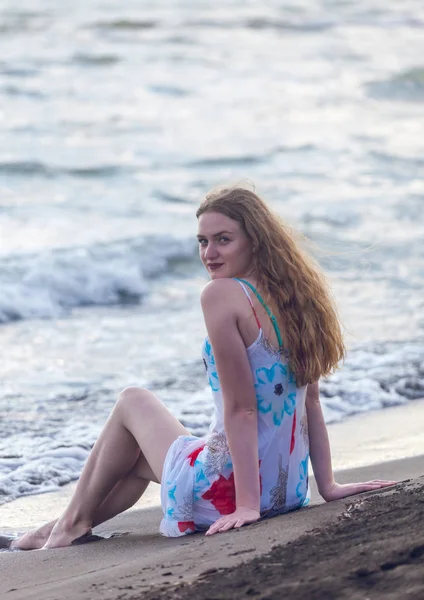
290, 278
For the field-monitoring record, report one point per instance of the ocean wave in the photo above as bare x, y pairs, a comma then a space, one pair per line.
125, 25
406, 86
49, 284
374, 377
44, 473
305, 25
20, 21
391, 160
250, 159
340, 217
169, 90
264, 23
396, 167
14, 90
171, 198
230, 161
40, 169
18, 70
95, 60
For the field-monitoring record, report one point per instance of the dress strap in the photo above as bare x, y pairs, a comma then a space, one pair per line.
250, 300
269, 313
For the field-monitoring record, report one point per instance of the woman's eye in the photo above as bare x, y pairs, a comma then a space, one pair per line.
203, 242
223, 239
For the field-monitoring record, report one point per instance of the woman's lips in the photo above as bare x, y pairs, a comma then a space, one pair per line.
214, 266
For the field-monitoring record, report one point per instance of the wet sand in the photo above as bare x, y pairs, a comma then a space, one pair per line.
361, 440
366, 546
374, 548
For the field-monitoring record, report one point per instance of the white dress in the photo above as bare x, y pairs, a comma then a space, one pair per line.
198, 481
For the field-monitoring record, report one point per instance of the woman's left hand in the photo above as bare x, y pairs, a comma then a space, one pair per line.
242, 516
338, 490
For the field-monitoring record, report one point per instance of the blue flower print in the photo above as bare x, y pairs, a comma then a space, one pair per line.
171, 492
288, 407
290, 403
200, 475
272, 379
265, 375
214, 381
201, 482
302, 486
208, 350
264, 406
278, 418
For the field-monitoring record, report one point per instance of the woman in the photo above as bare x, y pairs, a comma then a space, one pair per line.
272, 333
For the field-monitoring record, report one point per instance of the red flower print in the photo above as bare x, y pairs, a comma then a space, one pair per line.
293, 430
222, 495
193, 455
184, 525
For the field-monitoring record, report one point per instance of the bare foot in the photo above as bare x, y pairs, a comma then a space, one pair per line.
64, 533
35, 539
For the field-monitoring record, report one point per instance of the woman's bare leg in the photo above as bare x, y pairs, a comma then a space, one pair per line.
139, 422
124, 495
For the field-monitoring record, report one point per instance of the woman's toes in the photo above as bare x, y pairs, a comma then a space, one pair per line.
62, 536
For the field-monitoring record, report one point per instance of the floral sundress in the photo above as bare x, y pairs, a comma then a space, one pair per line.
198, 481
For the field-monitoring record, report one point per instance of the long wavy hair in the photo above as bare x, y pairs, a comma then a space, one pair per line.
291, 280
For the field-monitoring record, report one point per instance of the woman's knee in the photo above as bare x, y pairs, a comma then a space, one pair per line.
134, 398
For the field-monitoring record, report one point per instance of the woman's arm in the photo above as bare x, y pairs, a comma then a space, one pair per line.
319, 450
319, 444
220, 299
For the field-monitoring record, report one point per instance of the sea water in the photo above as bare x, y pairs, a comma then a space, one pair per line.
116, 118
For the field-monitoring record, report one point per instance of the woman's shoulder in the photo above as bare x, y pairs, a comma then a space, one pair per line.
221, 292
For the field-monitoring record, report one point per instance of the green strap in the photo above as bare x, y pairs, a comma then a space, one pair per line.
269, 313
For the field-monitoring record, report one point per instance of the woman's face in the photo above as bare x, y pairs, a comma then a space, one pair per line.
224, 247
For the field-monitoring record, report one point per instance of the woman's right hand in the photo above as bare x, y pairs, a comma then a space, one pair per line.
243, 515
342, 490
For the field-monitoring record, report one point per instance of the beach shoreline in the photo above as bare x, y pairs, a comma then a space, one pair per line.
138, 562
361, 440
374, 548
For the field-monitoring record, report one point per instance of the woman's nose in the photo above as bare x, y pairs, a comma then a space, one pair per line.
211, 251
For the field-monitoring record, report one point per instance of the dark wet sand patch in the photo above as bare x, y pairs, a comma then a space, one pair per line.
374, 550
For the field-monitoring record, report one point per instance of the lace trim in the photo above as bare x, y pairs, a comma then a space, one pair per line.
272, 350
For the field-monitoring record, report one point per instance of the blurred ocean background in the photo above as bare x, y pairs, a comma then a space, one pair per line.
116, 117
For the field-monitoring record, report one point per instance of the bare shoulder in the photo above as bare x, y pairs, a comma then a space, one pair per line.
220, 292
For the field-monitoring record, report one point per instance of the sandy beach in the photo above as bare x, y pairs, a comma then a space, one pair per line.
362, 440
118, 118
369, 545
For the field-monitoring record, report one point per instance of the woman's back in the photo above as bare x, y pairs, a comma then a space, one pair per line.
282, 425
199, 485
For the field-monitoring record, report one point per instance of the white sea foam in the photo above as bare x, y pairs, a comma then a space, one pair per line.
337, 151
47, 284
56, 456
40, 474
